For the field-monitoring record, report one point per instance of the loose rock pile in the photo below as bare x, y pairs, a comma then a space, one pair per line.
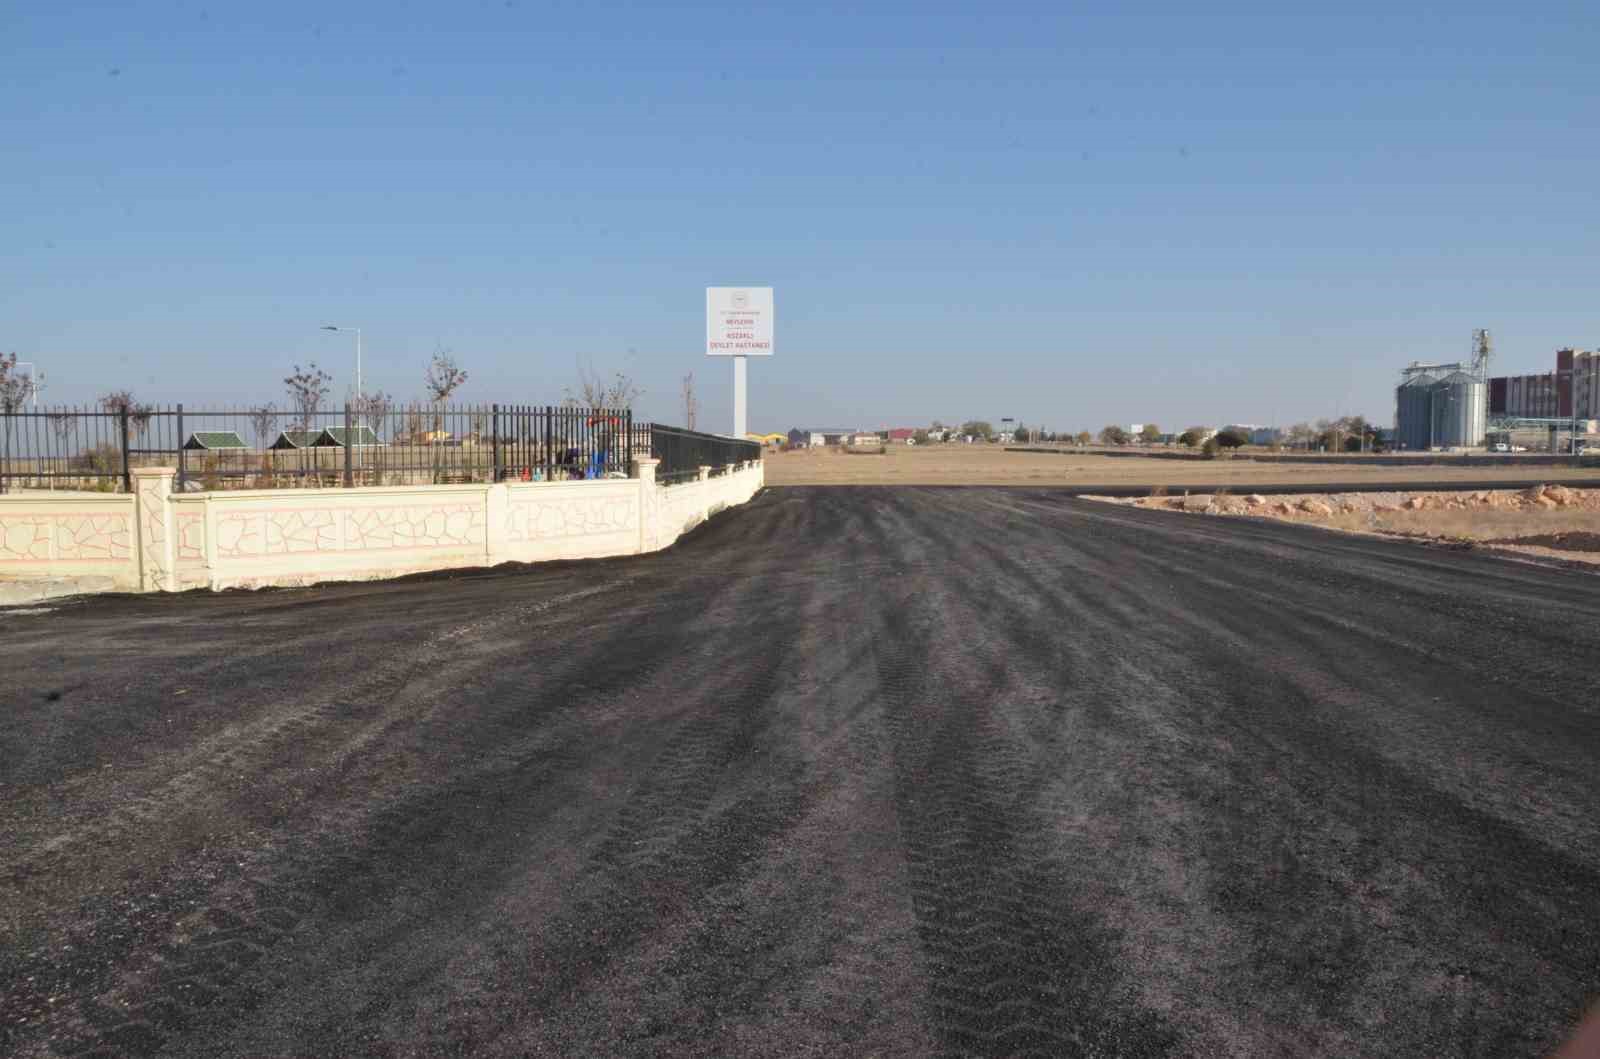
1321, 505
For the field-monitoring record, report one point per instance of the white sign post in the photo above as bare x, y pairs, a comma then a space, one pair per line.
739, 325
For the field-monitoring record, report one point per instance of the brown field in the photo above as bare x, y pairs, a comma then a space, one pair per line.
993, 465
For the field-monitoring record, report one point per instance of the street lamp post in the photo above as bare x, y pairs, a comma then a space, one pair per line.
357, 330
33, 381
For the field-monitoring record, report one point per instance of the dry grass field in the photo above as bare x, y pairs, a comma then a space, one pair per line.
993, 465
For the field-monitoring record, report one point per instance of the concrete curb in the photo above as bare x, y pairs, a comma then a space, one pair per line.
36, 589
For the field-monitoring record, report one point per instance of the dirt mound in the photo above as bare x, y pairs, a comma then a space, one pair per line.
1536, 520
1576, 541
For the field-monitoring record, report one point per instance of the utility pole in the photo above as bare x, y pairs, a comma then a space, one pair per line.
35, 381
691, 406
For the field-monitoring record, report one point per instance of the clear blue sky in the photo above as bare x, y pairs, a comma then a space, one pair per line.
1074, 214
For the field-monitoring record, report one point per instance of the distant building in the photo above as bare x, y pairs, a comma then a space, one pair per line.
798, 437
1255, 433
822, 437
902, 434
1553, 394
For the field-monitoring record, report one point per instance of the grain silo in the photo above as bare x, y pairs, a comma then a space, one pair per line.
1413, 412
1460, 411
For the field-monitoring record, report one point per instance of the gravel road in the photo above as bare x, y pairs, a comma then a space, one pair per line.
846, 772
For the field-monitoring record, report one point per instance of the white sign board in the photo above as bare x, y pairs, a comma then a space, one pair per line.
739, 321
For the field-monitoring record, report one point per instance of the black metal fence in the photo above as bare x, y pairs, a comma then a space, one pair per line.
683, 452
264, 447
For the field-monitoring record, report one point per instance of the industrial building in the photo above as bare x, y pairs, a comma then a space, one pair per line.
1444, 406
1571, 390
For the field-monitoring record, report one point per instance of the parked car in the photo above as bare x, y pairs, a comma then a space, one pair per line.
1502, 447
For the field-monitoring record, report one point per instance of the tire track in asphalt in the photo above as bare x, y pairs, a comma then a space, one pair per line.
812, 939
1365, 828
1257, 641
664, 830
207, 950
1032, 660
1016, 970
156, 999
1117, 797
211, 763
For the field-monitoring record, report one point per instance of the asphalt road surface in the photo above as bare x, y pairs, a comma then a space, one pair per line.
847, 772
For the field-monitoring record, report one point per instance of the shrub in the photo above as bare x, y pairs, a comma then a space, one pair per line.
104, 458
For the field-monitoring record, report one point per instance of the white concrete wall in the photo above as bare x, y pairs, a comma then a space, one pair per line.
159, 541
69, 535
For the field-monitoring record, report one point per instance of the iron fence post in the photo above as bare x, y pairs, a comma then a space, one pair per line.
349, 449
127, 472
183, 460
494, 441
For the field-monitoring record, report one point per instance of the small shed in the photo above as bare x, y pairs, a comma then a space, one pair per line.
296, 439
215, 441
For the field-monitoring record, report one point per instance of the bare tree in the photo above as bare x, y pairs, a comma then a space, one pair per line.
691, 403
16, 389
599, 391
307, 389
14, 392
373, 409
120, 401
444, 376
62, 423
264, 421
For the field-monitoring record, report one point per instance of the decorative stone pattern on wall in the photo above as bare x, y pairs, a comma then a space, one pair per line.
40, 538
155, 550
256, 534
537, 520
432, 526
652, 501
155, 541
191, 537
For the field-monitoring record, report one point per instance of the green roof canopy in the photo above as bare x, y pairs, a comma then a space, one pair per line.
296, 439
340, 436
210, 440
